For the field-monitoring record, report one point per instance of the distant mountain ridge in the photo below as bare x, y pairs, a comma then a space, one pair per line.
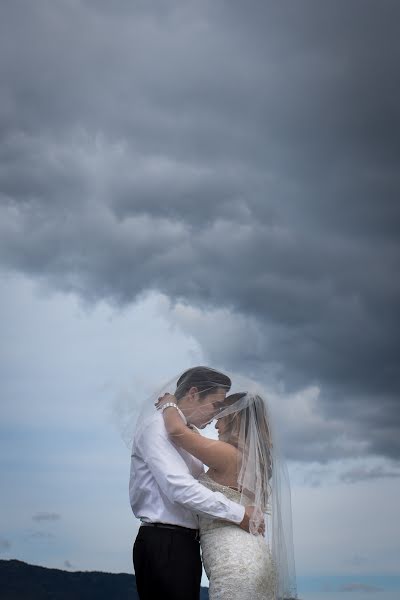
22, 581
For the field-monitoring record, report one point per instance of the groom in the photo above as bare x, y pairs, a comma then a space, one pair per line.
165, 495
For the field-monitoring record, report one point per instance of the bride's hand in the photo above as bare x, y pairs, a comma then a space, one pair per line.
174, 419
164, 399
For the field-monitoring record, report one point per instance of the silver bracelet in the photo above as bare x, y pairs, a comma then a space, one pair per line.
168, 404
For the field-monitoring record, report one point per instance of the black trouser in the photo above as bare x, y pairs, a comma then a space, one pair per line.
167, 564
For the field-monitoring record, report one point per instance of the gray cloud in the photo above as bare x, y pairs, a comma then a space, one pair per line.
363, 473
5, 545
357, 561
41, 535
46, 516
360, 587
232, 157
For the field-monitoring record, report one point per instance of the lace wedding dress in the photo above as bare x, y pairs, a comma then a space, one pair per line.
239, 565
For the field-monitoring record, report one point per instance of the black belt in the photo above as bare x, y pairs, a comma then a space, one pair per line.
193, 532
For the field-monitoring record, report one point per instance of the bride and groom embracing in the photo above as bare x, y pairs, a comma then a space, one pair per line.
237, 512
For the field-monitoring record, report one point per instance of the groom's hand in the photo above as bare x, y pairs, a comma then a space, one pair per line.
249, 515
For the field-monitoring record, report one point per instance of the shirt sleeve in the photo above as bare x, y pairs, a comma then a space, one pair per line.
175, 480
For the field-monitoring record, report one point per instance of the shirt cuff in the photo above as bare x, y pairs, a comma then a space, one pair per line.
237, 512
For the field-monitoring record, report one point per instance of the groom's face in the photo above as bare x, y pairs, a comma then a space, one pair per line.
203, 409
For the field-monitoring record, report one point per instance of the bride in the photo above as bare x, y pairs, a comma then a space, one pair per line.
243, 464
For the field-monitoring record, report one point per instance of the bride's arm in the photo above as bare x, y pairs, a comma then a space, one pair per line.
213, 453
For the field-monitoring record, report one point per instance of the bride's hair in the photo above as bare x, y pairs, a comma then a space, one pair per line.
205, 379
238, 431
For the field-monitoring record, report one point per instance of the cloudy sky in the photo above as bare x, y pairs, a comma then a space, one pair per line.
199, 182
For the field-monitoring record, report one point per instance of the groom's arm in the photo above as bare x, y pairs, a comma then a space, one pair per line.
173, 477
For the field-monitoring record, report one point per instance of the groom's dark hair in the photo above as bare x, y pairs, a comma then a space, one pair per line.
205, 379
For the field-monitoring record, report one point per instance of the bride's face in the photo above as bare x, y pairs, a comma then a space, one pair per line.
226, 427
223, 428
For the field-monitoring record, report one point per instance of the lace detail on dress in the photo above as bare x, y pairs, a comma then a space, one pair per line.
239, 565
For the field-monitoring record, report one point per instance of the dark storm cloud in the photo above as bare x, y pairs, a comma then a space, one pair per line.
227, 155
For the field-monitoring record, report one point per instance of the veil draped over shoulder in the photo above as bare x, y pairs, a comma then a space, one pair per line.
262, 479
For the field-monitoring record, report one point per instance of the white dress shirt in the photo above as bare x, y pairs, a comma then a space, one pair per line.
163, 486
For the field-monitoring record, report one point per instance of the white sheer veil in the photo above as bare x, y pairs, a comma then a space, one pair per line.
264, 480
262, 473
